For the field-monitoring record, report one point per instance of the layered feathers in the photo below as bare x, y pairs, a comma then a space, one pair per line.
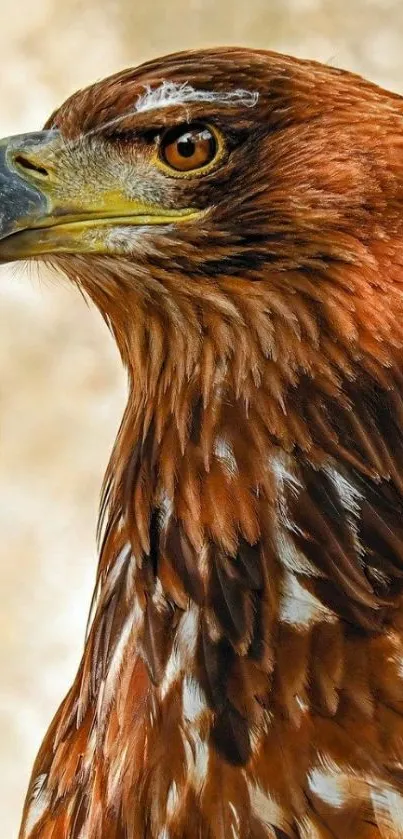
243, 670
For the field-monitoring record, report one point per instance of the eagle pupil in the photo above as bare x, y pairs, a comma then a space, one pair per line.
186, 146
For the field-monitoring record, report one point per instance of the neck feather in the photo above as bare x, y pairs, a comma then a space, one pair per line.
254, 472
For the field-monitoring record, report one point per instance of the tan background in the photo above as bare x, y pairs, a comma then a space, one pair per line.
61, 387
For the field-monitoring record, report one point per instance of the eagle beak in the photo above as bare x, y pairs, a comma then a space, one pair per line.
21, 201
54, 201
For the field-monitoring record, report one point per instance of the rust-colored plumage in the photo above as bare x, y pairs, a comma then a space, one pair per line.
243, 672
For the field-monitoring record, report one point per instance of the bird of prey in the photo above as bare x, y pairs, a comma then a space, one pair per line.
237, 218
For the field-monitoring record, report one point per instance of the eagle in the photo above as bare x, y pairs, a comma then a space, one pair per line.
237, 218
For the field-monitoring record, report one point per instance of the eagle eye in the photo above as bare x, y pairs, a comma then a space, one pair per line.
188, 147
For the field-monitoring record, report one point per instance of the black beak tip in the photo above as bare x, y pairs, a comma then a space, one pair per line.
20, 201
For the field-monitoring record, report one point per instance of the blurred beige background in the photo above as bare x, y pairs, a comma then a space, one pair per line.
61, 386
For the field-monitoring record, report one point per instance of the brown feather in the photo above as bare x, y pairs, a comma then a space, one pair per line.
242, 676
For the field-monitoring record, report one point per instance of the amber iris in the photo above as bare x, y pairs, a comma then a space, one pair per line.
188, 147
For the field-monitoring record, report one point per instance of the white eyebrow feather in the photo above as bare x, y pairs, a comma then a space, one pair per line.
170, 93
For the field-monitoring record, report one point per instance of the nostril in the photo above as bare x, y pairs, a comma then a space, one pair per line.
26, 163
